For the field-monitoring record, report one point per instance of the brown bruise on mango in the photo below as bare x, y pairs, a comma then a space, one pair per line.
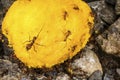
47, 32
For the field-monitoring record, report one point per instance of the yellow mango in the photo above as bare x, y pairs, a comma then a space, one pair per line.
44, 33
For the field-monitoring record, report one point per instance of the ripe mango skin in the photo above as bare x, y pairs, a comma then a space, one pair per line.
44, 33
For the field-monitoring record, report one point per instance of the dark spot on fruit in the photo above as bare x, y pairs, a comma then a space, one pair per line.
67, 34
65, 15
76, 7
73, 48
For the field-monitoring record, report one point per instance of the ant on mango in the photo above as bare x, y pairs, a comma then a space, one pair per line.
29, 45
67, 34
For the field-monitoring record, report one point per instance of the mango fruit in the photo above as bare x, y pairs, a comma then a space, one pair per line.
44, 33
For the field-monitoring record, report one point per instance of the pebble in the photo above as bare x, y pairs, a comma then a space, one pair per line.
108, 77
97, 75
7, 3
118, 71
97, 8
110, 39
62, 76
117, 7
108, 14
8, 70
85, 65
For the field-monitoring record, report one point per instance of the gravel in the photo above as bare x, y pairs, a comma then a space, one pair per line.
110, 39
86, 64
117, 7
99, 60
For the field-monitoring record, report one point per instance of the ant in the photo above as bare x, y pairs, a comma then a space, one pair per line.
76, 7
67, 34
29, 45
65, 15
73, 48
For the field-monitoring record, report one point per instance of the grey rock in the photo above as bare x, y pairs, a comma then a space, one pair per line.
75, 78
108, 77
108, 14
117, 7
8, 77
118, 71
86, 65
97, 8
8, 70
110, 39
7, 3
112, 2
63, 76
97, 75
42, 77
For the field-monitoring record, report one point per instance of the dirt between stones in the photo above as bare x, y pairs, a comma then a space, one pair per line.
101, 54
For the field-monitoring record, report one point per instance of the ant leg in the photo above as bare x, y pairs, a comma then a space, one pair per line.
39, 44
28, 40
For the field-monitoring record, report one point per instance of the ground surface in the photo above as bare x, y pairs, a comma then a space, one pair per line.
104, 43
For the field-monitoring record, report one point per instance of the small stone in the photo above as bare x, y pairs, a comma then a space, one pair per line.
97, 75
99, 24
112, 2
8, 77
110, 39
41, 78
62, 76
118, 71
86, 65
7, 3
117, 7
108, 14
8, 70
108, 77
5, 65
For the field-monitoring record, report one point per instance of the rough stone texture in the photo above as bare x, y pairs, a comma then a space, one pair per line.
86, 65
63, 76
117, 7
112, 2
118, 71
7, 3
41, 78
97, 75
99, 24
11, 71
8, 70
110, 39
108, 76
108, 14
